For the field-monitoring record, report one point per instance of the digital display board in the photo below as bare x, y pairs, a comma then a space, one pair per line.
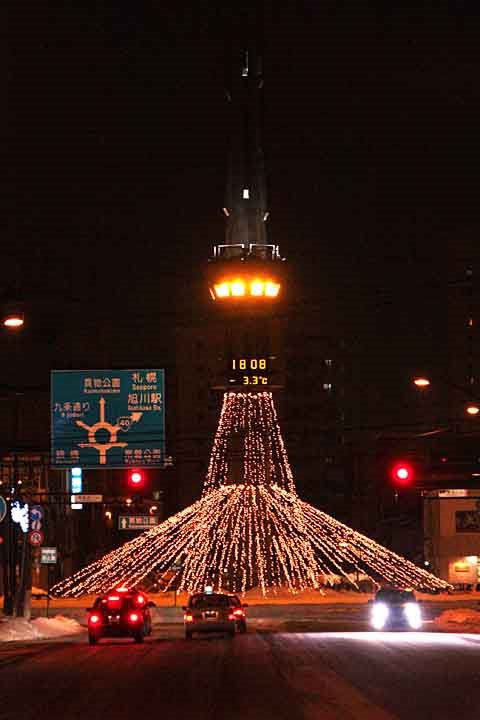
251, 372
107, 418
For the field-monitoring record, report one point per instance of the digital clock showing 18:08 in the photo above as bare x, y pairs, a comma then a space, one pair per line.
249, 371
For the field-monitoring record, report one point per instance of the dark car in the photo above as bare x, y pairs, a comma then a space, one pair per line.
122, 612
395, 609
214, 612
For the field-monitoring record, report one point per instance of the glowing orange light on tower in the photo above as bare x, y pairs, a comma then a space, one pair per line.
222, 290
257, 288
245, 286
237, 288
272, 288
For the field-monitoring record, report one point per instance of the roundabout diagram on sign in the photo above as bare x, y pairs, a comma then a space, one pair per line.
103, 447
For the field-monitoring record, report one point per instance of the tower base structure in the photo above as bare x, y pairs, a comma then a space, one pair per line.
249, 529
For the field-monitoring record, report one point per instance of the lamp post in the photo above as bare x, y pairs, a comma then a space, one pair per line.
12, 319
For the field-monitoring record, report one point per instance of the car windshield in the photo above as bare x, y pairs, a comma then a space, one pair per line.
395, 596
209, 601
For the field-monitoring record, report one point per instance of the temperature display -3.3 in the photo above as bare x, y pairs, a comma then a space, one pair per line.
249, 371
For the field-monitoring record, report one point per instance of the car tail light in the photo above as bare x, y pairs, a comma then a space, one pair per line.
94, 619
231, 616
113, 598
133, 617
140, 600
238, 613
188, 617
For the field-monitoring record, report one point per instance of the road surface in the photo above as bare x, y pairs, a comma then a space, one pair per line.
257, 676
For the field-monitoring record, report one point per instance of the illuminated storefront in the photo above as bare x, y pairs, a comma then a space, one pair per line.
452, 535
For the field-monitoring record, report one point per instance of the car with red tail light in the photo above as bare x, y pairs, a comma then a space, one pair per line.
122, 612
209, 612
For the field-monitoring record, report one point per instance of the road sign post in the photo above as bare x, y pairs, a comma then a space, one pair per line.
48, 557
9, 561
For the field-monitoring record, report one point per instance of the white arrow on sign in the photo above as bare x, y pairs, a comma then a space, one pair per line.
123, 523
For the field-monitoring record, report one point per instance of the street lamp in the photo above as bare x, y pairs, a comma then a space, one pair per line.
13, 319
472, 408
13, 316
421, 382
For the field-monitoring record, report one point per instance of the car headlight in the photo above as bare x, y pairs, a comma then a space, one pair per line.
414, 616
379, 615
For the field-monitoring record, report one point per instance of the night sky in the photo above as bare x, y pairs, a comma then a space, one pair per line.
116, 142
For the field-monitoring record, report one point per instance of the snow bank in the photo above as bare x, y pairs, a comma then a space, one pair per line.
466, 618
38, 629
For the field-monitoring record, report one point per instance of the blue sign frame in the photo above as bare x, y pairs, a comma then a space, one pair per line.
107, 418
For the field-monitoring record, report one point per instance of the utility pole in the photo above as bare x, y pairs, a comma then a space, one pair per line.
9, 561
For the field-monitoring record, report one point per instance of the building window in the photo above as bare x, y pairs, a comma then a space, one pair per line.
328, 387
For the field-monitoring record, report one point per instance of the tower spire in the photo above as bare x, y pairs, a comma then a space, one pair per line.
245, 268
246, 196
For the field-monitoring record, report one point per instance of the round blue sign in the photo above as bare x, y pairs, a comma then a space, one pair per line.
3, 508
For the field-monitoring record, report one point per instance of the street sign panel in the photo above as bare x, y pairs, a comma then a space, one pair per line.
137, 522
48, 555
36, 512
35, 537
3, 508
108, 418
86, 498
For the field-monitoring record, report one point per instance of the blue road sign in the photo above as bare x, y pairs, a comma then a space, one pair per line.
3, 508
36, 513
108, 418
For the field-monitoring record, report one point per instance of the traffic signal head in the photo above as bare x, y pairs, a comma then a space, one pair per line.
402, 473
136, 479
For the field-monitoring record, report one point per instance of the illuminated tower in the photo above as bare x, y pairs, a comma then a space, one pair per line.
245, 268
249, 528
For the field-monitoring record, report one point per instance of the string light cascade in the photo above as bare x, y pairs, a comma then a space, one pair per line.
249, 528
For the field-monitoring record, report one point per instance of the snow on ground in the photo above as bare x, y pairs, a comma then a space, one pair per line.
459, 620
39, 629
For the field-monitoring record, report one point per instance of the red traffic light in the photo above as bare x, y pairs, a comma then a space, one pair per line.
136, 478
402, 473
